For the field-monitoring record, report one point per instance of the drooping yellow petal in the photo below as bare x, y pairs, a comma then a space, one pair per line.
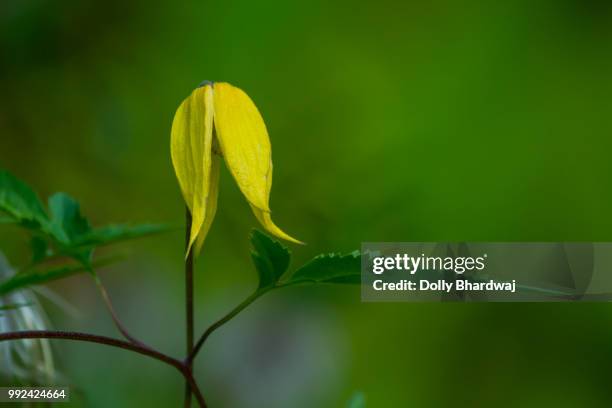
244, 142
191, 150
245, 145
211, 203
266, 220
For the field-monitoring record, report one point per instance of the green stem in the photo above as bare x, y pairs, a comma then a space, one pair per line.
188, 302
222, 321
109, 305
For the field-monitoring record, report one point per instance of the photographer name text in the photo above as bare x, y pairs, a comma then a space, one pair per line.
442, 285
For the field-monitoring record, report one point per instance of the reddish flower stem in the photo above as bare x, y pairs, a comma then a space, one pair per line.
184, 369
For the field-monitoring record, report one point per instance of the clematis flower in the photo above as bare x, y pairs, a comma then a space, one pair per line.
219, 120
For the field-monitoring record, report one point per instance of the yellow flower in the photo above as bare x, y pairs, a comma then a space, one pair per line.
221, 120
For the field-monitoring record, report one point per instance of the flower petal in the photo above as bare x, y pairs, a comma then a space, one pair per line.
191, 150
245, 145
266, 221
211, 203
244, 141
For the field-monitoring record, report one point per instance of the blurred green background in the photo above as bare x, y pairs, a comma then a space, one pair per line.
390, 121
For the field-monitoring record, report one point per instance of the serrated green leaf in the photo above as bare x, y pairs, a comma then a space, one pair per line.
330, 268
65, 230
39, 247
67, 226
40, 276
119, 232
20, 203
67, 222
271, 258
